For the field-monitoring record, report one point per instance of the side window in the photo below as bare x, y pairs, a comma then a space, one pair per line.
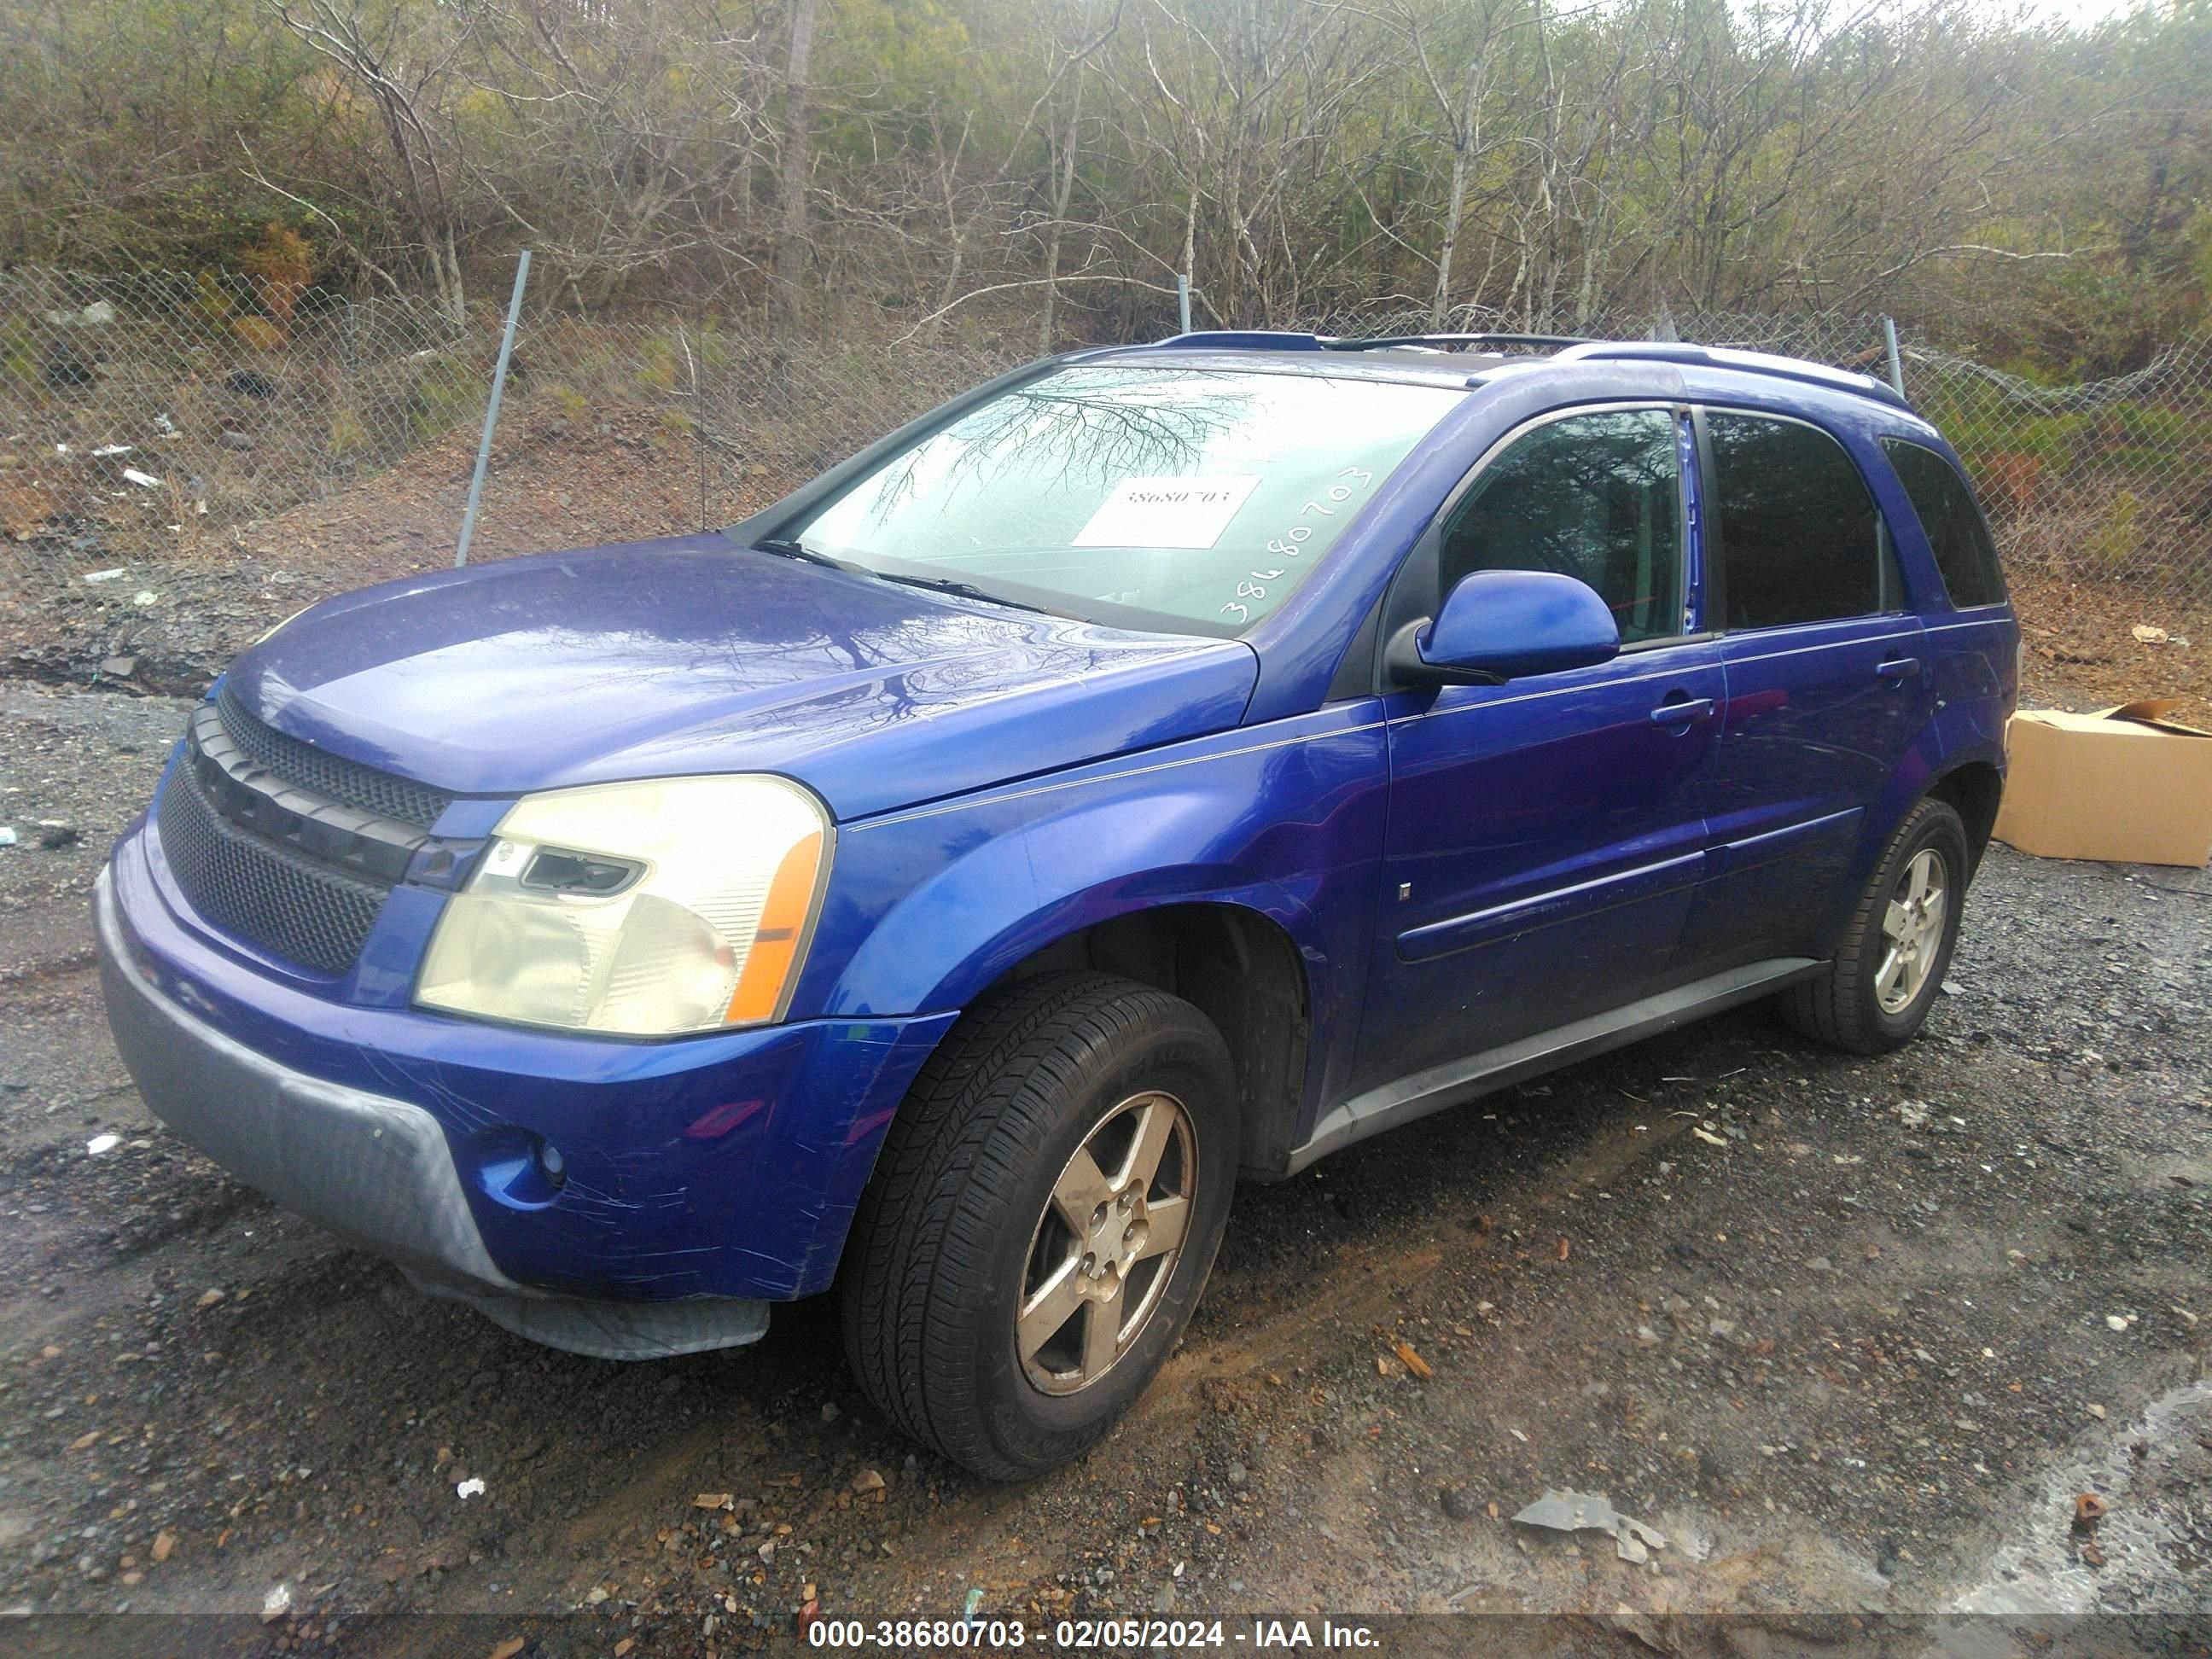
1956, 531
1595, 496
1800, 539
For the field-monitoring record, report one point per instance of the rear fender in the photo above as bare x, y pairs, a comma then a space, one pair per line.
1915, 772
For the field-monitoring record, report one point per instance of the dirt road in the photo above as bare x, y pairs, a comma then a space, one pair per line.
1852, 1335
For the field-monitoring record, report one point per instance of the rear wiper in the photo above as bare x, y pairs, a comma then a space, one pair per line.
965, 590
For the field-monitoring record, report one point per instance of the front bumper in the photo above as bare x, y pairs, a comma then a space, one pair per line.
704, 1177
374, 1171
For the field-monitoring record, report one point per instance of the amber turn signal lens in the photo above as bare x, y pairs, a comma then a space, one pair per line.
782, 928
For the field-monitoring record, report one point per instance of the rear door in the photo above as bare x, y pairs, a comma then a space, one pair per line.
1545, 836
1828, 683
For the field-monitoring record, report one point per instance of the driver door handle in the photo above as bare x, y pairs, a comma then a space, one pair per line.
1685, 712
1899, 668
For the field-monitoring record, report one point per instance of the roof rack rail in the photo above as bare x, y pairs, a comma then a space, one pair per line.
1384, 342
1240, 339
1755, 362
1261, 339
1565, 349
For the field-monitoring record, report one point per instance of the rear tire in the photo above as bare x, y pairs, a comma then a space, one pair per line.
1897, 945
1017, 1271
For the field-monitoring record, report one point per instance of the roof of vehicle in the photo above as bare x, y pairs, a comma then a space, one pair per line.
1469, 359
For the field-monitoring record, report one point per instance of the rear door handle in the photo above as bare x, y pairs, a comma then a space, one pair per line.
1899, 668
1687, 712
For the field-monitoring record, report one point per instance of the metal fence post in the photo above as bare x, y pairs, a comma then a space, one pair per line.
698, 417
491, 412
1896, 362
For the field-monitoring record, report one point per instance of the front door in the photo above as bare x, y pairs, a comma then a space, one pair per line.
1545, 836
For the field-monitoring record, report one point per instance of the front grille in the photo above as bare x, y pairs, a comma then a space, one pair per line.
331, 776
265, 894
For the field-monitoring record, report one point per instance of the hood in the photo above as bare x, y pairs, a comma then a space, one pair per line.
692, 654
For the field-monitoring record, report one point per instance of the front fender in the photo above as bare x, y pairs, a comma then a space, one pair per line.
928, 908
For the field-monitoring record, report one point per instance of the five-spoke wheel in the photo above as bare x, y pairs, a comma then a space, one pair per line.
1107, 1242
1042, 1219
1912, 923
1897, 941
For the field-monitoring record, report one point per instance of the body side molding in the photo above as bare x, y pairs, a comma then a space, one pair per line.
1461, 1080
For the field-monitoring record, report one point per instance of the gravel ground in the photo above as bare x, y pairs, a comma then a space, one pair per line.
1852, 1335
163, 615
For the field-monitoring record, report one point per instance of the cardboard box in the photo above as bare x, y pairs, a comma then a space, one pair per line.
2125, 784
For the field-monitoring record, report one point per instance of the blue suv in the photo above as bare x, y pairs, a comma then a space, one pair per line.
1160, 764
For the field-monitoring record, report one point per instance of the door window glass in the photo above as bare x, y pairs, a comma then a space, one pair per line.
1800, 539
1593, 496
1964, 552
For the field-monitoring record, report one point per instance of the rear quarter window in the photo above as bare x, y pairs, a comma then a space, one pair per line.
1957, 533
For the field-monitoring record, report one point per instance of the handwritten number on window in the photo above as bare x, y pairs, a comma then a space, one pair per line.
1290, 543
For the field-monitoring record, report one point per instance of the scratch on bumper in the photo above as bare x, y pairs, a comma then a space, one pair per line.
375, 1171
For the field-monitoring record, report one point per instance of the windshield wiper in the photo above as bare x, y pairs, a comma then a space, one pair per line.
786, 547
965, 590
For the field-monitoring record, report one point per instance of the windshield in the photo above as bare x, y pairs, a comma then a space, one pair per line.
1188, 500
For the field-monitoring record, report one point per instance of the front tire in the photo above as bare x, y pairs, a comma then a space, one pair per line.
1897, 945
1042, 1220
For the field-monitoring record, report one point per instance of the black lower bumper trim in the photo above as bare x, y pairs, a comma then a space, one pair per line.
375, 1171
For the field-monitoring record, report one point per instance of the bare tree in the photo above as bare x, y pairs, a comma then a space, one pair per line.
1548, 162
791, 247
624, 146
402, 70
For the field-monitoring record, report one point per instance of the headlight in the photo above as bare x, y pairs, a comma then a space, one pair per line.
677, 905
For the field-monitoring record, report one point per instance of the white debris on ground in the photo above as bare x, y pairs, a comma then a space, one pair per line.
1576, 1511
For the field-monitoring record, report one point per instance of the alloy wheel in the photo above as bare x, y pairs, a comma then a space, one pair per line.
1106, 1245
1911, 931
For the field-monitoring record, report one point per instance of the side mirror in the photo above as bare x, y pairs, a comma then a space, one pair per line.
1500, 625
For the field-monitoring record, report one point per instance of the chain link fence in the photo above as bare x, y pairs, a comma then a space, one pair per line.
2106, 484
166, 433
154, 420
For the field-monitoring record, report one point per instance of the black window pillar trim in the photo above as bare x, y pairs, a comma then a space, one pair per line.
1688, 556
1713, 554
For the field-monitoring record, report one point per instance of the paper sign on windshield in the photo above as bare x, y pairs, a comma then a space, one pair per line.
1167, 512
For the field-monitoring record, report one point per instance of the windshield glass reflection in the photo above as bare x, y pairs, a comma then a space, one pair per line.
1185, 499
